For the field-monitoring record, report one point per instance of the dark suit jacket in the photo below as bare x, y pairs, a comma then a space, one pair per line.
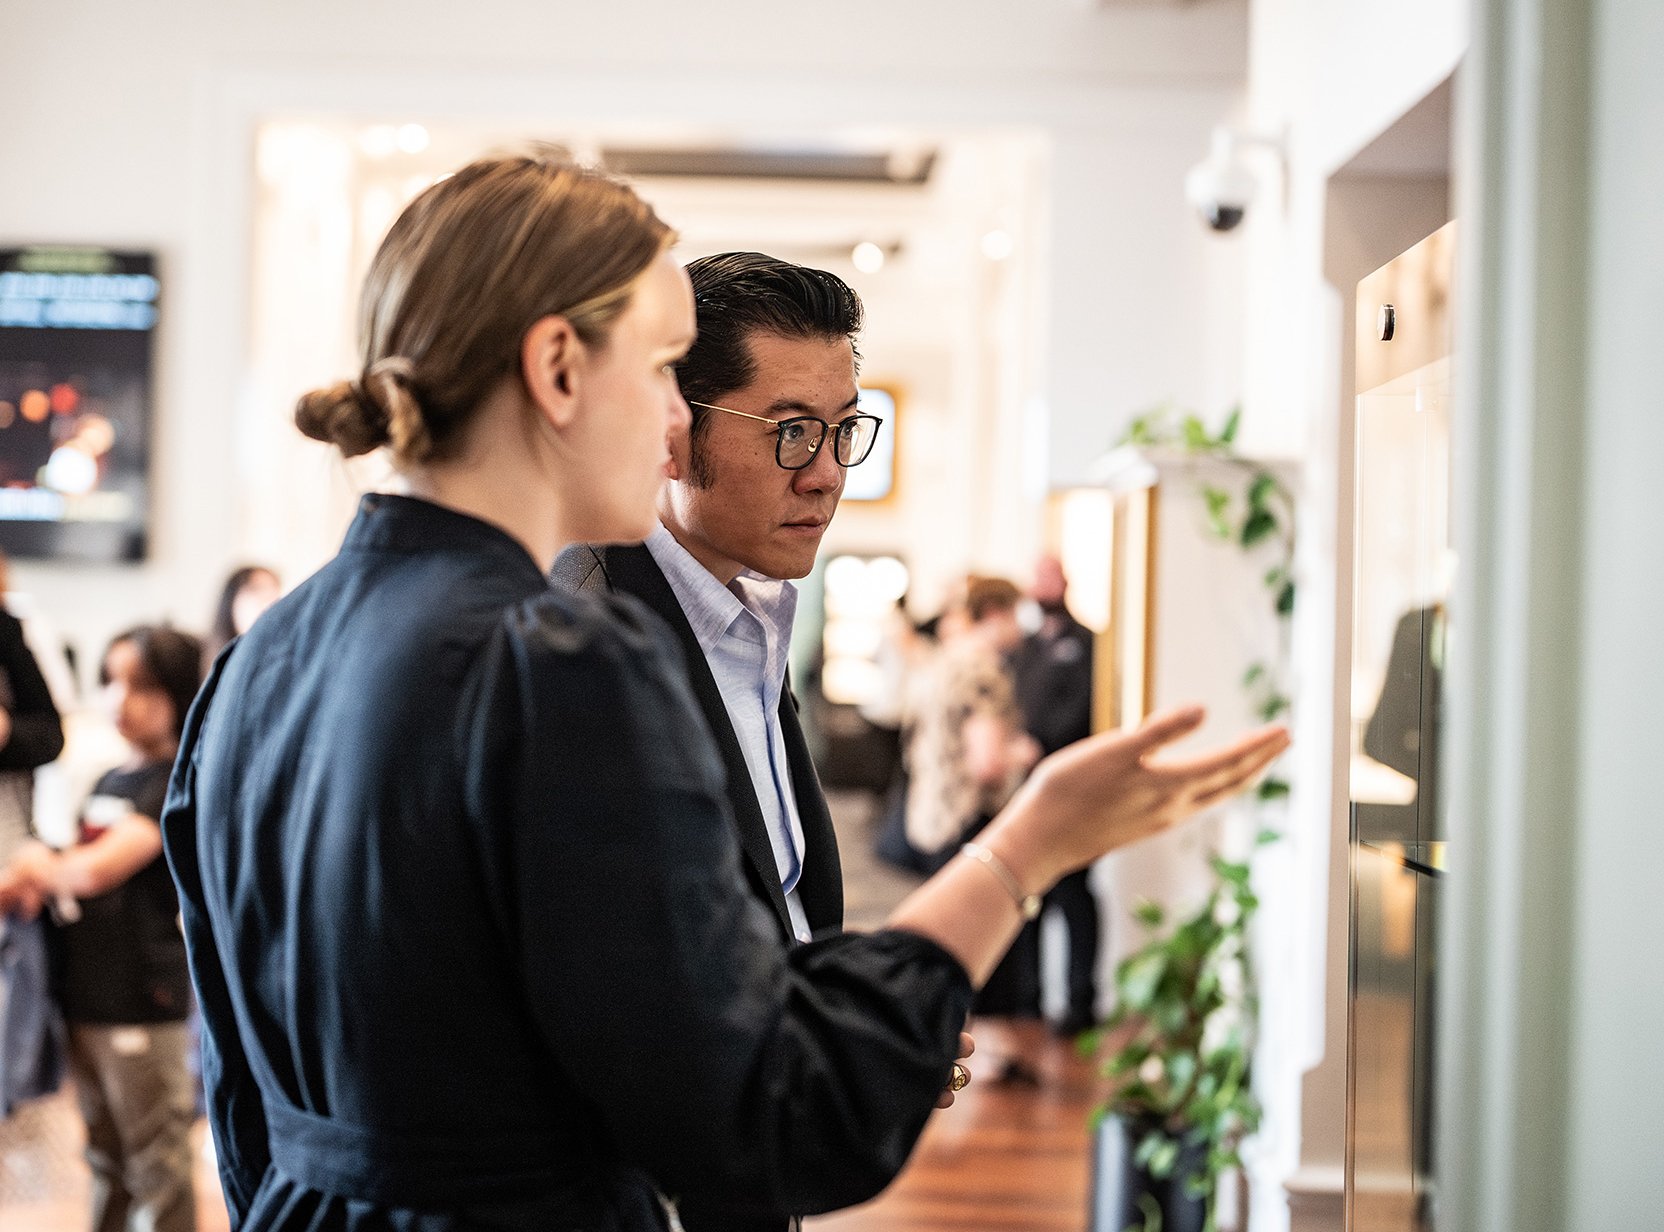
632, 570
1053, 678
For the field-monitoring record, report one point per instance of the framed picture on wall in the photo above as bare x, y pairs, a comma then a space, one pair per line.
875, 479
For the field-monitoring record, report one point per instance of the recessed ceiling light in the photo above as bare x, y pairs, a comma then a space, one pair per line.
868, 257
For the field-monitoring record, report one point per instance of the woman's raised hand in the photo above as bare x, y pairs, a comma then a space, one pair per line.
1112, 789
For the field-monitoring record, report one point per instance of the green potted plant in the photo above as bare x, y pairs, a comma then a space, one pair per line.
1177, 1053
1178, 1047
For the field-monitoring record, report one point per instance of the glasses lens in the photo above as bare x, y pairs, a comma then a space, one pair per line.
855, 439
799, 442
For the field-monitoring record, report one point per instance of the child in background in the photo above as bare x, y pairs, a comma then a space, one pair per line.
122, 978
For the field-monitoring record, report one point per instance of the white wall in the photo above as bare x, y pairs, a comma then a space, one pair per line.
133, 125
1332, 77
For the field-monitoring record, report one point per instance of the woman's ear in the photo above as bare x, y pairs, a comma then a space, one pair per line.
551, 362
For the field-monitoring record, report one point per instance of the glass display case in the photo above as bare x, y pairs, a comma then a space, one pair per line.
1403, 568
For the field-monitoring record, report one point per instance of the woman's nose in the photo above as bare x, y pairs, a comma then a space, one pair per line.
681, 417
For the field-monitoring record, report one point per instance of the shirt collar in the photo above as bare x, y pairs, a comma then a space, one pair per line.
712, 608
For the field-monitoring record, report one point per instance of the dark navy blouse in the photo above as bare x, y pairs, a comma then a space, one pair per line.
467, 921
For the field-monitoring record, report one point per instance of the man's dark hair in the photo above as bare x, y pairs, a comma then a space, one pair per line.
738, 294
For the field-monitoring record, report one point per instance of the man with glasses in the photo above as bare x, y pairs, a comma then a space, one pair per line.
771, 382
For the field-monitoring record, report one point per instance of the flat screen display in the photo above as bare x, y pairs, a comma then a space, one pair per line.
77, 328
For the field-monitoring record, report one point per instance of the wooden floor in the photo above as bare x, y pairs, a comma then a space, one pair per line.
43, 1182
1005, 1157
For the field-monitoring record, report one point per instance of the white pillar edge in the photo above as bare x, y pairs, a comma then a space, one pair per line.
1512, 765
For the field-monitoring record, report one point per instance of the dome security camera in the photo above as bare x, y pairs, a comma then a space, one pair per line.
1221, 187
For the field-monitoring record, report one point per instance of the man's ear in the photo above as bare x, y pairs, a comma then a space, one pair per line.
681, 453
552, 358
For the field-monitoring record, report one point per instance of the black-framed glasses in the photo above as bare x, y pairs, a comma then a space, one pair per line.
797, 440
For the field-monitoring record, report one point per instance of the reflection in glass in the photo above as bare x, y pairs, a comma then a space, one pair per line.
1404, 568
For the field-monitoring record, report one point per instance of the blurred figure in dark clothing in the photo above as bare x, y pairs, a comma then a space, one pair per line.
1053, 672
31, 733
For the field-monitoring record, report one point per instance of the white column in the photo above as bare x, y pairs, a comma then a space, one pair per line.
1553, 981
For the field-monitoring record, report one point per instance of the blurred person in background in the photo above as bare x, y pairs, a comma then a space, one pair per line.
924, 641
967, 750
121, 975
31, 736
31, 732
967, 753
1052, 669
248, 591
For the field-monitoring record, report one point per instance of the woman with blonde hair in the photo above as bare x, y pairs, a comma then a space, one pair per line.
464, 908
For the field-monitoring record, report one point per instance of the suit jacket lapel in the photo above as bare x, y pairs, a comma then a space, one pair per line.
634, 571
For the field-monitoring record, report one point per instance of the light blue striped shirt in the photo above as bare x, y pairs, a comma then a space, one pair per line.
745, 630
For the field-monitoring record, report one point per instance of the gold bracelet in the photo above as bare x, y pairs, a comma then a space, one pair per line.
1028, 905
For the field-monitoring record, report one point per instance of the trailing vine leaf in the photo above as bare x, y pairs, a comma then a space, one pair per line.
1152, 1214
1260, 524
1273, 707
1196, 437
1163, 1159
1147, 1147
1260, 489
1272, 789
1285, 599
1252, 676
1139, 978
1227, 434
1217, 501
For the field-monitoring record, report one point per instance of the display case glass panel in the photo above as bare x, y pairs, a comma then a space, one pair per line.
1403, 568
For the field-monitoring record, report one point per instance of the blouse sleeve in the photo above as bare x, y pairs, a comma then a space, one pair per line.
235, 1111
725, 1067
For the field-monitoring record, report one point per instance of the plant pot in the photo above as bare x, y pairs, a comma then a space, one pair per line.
1118, 1184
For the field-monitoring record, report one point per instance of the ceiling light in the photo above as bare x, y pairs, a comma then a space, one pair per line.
413, 138
868, 257
997, 245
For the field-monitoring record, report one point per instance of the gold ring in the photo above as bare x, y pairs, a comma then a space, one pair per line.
961, 1078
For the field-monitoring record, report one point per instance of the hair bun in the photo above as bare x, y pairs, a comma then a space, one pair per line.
343, 416
358, 416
